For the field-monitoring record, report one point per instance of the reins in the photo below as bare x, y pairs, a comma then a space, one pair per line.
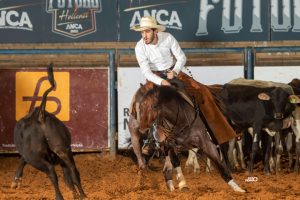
167, 127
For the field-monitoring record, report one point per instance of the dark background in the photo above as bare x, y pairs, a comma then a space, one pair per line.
112, 23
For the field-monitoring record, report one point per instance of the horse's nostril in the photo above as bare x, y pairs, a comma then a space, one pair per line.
278, 115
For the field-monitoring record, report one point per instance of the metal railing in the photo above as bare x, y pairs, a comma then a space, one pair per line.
249, 65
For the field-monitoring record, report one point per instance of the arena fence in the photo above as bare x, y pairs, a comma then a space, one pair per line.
94, 85
122, 78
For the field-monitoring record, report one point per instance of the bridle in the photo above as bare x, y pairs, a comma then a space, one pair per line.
168, 127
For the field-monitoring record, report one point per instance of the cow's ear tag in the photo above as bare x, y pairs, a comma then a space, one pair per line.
294, 99
263, 96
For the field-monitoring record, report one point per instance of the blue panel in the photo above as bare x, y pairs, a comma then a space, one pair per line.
58, 21
200, 20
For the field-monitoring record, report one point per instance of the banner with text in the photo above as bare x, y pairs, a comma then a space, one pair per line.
200, 20
58, 21
46, 21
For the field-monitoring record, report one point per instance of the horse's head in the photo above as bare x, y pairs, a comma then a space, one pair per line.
148, 109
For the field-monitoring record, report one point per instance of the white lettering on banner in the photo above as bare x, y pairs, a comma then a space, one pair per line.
286, 24
204, 10
68, 15
62, 4
296, 27
237, 24
8, 145
163, 17
228, 11
74, 26
77, 145
126, 118
256, 17
286, 16
74, 18
15, 20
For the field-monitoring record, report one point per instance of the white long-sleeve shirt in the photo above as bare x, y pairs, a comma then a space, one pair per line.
159, 57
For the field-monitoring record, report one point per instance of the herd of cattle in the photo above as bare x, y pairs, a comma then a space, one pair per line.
268, 111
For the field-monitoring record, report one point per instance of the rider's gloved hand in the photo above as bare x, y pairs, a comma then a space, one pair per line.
171, 74
165, 83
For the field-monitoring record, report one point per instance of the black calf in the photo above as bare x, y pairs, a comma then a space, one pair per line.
43, 141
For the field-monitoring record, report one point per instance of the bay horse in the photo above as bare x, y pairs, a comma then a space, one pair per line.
179, 128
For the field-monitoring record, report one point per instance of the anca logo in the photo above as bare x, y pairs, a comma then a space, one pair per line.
13, 19
168, 18
73, 18
164, 17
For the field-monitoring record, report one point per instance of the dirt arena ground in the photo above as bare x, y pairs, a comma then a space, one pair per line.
106, 178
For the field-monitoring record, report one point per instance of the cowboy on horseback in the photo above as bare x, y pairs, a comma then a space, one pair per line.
155, 53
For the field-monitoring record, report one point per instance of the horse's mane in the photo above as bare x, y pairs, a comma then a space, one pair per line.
165, 94
168, 93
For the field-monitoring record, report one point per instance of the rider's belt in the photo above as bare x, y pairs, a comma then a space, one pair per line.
163, 73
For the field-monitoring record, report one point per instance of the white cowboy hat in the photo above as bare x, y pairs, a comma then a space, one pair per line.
147, 23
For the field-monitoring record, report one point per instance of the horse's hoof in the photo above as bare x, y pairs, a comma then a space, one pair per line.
171, 188
239, 190
188, 169
235, 186
170, 185
14, 185
268, 173
83, 196
185, 189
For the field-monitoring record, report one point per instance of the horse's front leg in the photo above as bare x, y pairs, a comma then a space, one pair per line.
210, 149
133, 126
179, 175
167, 171
172, 161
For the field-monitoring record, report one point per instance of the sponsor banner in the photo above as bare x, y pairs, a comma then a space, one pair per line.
58, 21
21, 21
80, 100
30, 94
282, 74
285, 20
46, 21
200, 20
128, 86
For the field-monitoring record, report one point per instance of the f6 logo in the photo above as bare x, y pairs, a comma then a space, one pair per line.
30, 87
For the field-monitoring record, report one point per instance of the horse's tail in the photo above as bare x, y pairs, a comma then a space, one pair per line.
41, 113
